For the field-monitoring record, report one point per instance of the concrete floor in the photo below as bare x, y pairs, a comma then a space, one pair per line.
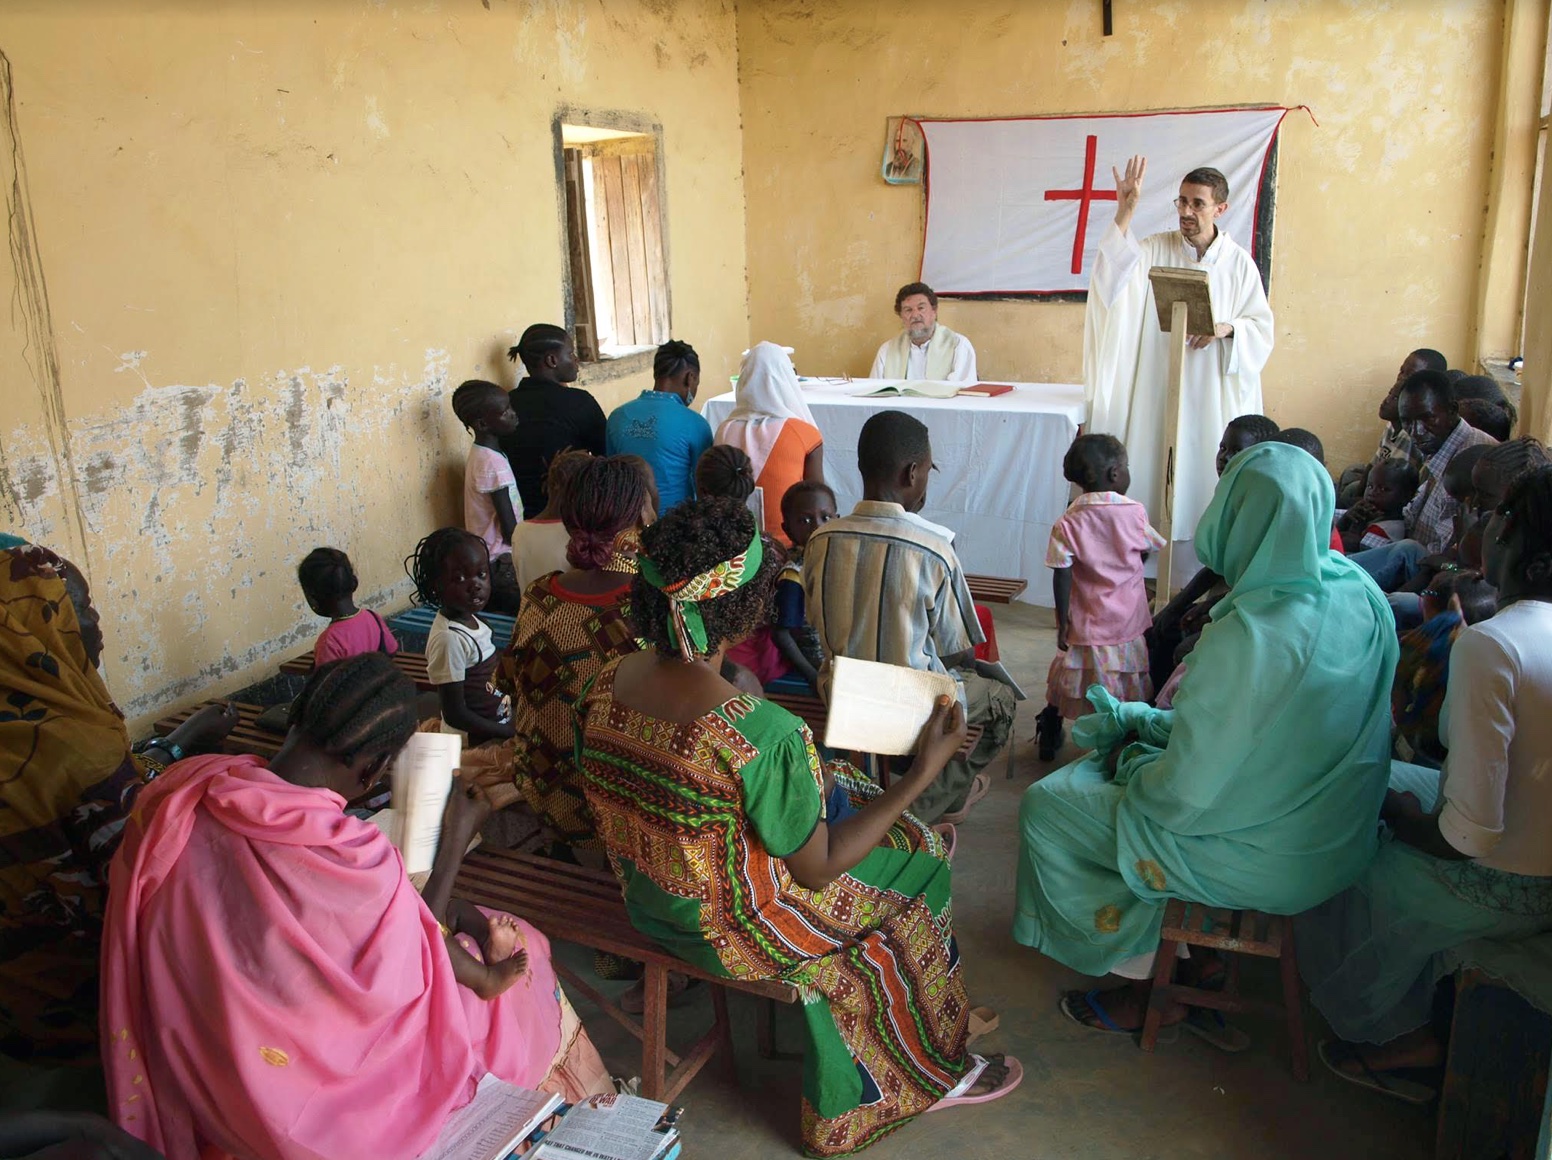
1084, 1094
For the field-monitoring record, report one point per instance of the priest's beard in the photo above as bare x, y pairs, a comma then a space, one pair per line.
921, 334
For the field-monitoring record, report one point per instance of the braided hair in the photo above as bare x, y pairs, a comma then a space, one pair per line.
361, 706
537, 341
724, 472
471, 398
605, 497
673, 359
325, 575
424, 564
688, 540
1529, 506
562, 472
1504, 464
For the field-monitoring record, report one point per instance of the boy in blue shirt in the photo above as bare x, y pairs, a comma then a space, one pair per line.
659, 425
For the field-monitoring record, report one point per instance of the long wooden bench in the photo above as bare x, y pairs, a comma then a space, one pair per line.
996, 589
246, 737
411, 664
584, 906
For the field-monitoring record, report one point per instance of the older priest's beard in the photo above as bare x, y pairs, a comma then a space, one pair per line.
920, 334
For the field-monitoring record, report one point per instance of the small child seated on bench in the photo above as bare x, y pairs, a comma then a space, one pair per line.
451, 570
329, 585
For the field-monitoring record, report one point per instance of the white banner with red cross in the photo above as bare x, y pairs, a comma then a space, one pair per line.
1018, 206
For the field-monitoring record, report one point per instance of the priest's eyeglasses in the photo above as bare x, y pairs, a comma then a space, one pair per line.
1198, 205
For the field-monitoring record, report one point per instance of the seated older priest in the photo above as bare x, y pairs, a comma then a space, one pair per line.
925, 349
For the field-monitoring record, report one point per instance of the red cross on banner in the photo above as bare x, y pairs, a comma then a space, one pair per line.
1085, 197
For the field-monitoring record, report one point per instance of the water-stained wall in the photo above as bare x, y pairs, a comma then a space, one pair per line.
1381, 210
254, 245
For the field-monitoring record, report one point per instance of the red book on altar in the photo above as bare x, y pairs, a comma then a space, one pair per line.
990, 390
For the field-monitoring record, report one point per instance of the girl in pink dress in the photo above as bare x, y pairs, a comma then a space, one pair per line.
1097, 551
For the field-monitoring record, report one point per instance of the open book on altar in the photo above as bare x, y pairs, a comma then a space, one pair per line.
925, 388
876, 708
499, 1118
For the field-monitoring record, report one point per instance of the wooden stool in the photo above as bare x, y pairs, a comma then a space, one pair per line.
1234, 932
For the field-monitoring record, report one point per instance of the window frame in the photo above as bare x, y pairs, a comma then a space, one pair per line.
623, 121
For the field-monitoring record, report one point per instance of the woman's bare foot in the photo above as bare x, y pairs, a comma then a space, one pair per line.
991, 1077
504, 937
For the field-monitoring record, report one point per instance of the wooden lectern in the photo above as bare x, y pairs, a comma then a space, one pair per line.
1185, 308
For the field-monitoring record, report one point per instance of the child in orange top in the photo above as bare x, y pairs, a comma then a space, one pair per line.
1097, 550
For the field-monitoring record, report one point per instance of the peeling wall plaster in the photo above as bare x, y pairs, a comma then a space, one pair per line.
261, 246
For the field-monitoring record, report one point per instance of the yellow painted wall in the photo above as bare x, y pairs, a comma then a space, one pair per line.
270, 239
1380, 209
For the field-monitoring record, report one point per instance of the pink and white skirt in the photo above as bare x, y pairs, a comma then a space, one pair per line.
1120, 668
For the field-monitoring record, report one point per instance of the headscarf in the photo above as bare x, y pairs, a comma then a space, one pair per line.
686, 626
1268, 528
767, 396
65, 781
274, 987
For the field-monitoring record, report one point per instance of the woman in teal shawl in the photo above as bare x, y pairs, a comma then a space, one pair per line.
1260, 789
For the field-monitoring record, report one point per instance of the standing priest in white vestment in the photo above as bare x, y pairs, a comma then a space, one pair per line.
925, 349
1126, 354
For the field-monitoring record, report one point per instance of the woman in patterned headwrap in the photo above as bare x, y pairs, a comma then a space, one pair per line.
709, 803
67, 779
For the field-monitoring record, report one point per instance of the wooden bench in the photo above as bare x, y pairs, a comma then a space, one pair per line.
996, 589
412, 665
585, 906
246, 737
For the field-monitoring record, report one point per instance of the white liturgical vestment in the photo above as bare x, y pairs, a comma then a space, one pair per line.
1126, 364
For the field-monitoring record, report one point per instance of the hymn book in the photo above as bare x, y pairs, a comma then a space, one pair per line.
612, 1127
422, 778
990, 390
499, 1118
925, 388
877, 708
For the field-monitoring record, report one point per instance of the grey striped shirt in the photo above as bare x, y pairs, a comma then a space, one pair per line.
883, 584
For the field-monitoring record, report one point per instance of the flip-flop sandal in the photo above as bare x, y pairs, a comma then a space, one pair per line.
1211, 1026
1106, 1025
1401, 1083
983, 1021
1011, 1080
980, 786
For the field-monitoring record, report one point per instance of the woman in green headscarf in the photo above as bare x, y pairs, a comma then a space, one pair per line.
1260, 788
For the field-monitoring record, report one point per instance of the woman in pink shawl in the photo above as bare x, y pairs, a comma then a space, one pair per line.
771, 423
274, 988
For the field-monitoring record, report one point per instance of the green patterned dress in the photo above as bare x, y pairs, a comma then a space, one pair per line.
697, 818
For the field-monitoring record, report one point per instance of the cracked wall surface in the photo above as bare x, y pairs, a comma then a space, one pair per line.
254, 246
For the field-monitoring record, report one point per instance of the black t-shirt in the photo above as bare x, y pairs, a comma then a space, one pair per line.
550, 418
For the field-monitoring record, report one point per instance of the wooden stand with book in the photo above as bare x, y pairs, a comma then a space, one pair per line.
1185, 308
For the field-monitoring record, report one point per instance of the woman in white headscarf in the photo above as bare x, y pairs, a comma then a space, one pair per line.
771, 424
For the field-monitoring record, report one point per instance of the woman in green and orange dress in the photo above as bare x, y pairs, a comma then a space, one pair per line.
570, 624
710, 805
